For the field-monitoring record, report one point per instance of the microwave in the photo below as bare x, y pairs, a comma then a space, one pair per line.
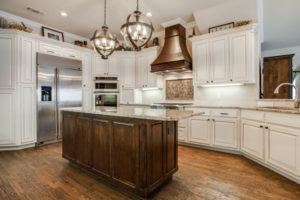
109, 99
106, 84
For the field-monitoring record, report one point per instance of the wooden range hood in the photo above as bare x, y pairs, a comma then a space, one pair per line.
174, 55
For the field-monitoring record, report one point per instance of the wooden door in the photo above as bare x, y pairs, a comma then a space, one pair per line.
125, 153
277, 70
101, 146
68, 136
83, 140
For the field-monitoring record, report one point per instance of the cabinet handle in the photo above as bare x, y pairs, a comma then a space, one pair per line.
208, 119
72, 56
261, 126
266, 127
48, 51
231, 80
211, 81
224, 113
207, 81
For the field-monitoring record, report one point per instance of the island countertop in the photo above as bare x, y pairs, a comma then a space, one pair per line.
137, 112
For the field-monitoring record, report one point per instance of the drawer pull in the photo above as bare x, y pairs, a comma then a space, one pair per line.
48, 51
72, 56
224, 113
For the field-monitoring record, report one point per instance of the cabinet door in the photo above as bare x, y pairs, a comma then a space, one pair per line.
141, 73
125, 150
252, 139
7, 62
172, 146
68, 136
128, 72
225, 133
87, 59
200, 131
219, 60
201, 63
28, 61
113, 65
28, 114
239, 57
101, 146
182, 129
100, 67
83, 140
50, 49
71, 53
127, 96
283, 148
151, 77
7, 118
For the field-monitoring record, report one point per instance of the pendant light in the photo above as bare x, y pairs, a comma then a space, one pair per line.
138, 29
103, 41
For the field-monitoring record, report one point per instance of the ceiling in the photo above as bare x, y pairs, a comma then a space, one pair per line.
84, 16
281, 24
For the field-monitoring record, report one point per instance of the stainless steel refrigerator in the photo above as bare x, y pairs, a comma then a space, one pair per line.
59, 85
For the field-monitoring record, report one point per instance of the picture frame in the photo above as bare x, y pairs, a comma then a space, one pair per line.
53, 34
221, 27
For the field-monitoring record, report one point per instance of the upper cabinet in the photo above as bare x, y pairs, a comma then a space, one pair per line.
144, 77
226, 57
127, 77
109, 67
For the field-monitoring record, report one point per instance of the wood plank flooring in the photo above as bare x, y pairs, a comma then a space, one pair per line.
42, 174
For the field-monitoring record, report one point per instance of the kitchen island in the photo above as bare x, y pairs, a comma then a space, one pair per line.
133, 149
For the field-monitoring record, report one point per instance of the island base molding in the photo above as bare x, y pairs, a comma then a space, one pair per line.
134, 155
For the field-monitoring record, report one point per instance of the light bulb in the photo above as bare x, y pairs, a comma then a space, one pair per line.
138, 27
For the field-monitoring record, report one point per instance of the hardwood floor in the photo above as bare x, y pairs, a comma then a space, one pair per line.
43, 174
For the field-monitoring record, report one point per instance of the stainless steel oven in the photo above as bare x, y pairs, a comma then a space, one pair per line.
106, 91
110, 99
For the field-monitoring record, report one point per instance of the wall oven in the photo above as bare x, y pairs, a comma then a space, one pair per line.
106, 91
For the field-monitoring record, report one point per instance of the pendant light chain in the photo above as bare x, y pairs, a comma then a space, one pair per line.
137, 5
105, 13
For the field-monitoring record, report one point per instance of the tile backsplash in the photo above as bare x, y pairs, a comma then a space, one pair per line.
180, 89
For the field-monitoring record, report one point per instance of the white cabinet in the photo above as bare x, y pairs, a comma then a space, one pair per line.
252, 139
219, 55
106, 67
199, 132
87, 96
226, 57
28, 60
127, 96
48, 48
183, 130
144, 77
7, 117
71, 53
225, 132
27, 104
7, 61
127, 66
201, 62
283, 148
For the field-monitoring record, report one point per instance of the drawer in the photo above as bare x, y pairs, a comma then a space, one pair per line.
71, 53
49, 48
289, 120
253, 115
201, 111
233, 113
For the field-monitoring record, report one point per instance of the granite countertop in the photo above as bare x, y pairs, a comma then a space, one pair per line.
138, 113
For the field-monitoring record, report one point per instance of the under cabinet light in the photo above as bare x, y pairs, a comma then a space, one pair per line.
223, 85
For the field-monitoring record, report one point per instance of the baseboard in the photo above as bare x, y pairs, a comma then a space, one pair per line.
237, 152
19, 147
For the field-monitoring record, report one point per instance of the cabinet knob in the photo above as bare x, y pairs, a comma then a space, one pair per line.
266, 127
211, 81
207, 81
231, 80
261, 126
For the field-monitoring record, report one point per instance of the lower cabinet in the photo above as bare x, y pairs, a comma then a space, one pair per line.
283, 148
252, 139
132, 154
225, 132
200, 130
7, 117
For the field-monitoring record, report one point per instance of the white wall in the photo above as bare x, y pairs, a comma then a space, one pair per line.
69, 37
229, 11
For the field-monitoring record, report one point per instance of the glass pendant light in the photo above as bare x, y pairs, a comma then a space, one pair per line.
137, 30
103, 41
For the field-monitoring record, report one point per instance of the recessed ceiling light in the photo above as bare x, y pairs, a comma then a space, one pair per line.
63, 14
149, 14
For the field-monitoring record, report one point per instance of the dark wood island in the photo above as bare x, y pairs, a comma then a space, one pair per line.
133, 149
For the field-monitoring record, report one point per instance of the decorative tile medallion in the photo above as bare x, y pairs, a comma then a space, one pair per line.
179, 89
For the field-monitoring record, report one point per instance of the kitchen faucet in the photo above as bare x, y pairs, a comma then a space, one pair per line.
297, 100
